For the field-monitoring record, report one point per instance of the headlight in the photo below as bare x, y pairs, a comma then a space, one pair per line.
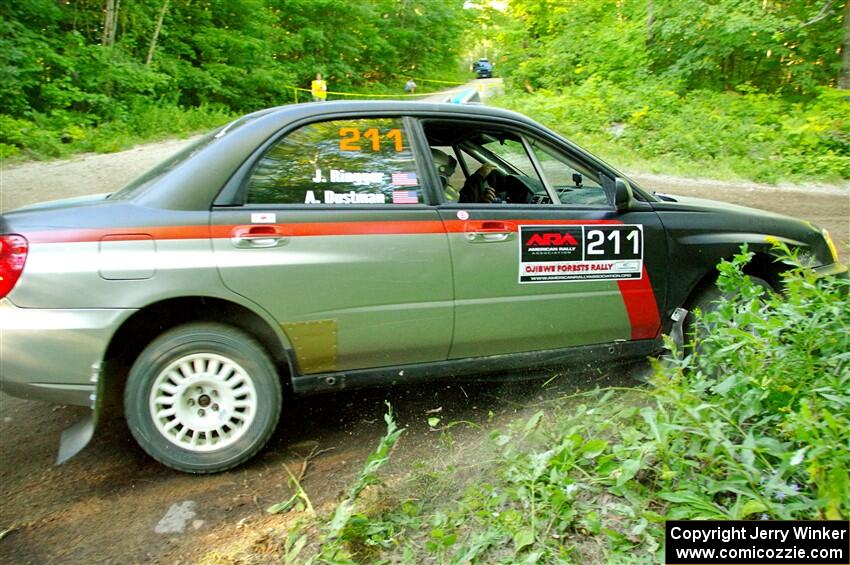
831, 245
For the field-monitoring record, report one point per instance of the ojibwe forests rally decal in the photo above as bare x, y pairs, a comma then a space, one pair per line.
580, 253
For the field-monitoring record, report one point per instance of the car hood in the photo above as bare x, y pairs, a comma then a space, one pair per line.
64, 203
743, 224
693, 204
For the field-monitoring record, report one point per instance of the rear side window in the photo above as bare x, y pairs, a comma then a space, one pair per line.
353, 162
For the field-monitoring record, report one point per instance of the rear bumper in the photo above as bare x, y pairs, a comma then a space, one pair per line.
52, 354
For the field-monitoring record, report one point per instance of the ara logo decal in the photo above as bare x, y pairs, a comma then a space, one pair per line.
551, 239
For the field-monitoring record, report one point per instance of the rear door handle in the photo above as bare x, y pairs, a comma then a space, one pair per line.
489, 231
253, 237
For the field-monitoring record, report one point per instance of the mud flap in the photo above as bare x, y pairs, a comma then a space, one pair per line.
78, 436
677, 332
75, 438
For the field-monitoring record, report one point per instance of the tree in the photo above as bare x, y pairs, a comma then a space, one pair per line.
156, 31
110, 22
844, 77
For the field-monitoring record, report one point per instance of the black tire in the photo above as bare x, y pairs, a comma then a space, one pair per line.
251, 392
706, 301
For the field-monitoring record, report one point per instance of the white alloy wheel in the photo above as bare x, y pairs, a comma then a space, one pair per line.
203, 397
203, 402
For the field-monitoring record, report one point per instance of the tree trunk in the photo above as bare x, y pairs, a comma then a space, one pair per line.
156, 32
844, 75
110, 22
650, 22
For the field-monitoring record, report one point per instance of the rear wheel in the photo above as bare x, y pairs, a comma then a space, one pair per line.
202, 398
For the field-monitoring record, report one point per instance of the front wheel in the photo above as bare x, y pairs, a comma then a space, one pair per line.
707, 301
202, 398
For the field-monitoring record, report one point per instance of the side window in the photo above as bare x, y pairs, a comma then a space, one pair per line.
499, 169
471, 162
574, 184
513, 152
364, 161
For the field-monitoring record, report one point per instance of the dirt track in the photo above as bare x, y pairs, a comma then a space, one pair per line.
113, 504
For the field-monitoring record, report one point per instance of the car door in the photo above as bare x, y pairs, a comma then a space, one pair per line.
332, 234
561, 268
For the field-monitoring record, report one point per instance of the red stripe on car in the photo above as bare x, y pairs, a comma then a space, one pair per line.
641, 306
638, 296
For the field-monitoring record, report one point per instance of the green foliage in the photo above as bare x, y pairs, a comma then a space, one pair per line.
723, 88
212, 58
747, 134
722, 43
774, 45
754, 425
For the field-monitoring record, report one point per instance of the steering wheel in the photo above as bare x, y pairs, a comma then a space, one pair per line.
519, 189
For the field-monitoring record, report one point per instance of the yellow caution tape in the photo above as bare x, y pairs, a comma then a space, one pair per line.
296, 89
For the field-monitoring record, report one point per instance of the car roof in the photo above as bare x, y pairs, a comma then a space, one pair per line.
298, 111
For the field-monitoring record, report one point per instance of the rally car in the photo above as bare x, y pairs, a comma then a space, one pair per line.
314, 248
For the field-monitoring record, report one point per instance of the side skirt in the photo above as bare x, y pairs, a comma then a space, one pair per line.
530, 363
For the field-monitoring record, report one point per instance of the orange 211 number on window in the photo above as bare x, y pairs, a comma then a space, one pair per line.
349, 139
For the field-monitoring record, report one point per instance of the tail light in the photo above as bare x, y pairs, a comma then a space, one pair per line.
13, 255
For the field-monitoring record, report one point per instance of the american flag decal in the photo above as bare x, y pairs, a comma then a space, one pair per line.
404, 179
405, 197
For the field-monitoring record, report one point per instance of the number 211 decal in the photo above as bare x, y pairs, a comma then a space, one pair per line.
580, 253
371, 139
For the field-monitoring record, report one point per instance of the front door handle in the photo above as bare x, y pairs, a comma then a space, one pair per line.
489, 231
253, 237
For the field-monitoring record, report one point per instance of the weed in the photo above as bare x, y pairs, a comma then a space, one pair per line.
752, 424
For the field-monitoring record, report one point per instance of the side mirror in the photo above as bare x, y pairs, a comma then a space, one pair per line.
623, 195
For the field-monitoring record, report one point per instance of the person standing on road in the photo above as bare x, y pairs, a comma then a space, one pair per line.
319, 89
410, 86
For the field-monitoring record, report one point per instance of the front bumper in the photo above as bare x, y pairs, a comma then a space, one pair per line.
52, 354
837, 270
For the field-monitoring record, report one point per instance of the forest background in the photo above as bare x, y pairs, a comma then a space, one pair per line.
750, 89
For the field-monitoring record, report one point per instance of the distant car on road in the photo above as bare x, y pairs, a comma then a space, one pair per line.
321, 247
483, 68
